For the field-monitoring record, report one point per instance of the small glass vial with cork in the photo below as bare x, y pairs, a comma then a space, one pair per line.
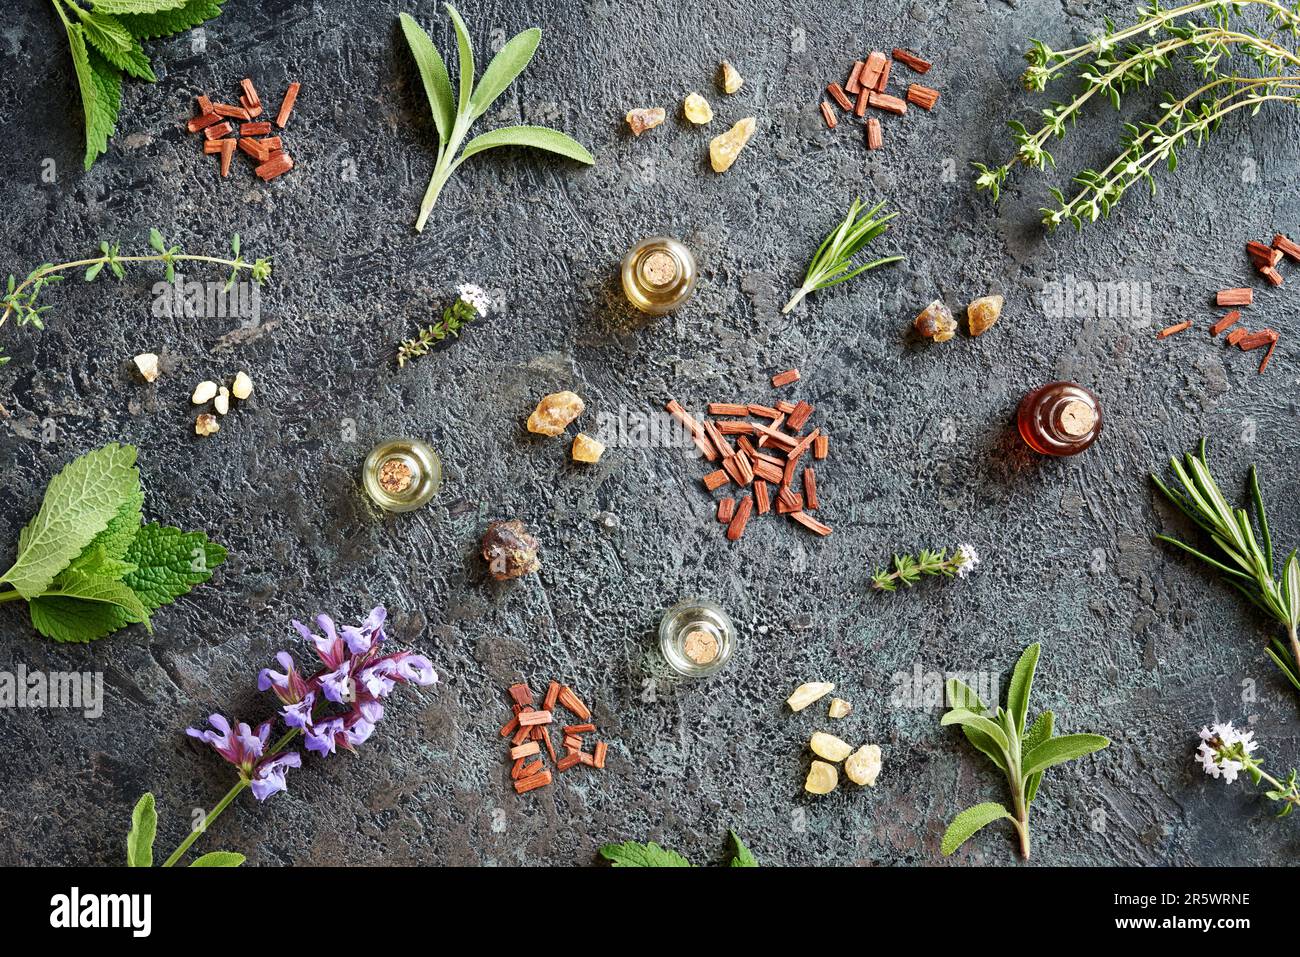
658, 275
1060, 418
402, 474
696, 637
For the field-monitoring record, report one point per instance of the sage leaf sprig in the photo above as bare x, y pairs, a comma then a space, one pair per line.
455, 113
1244, 549
833, 261
104, 39
1239, 65
1020, 750
22, 299
87, 566
144, 829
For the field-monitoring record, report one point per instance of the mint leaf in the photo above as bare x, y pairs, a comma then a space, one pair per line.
744, 857
164, 23
144, 827
114, 41
965, 824
79, 503
111, 544
218, 859
135, 6
72, 620
169, 563
632, 854
106, 591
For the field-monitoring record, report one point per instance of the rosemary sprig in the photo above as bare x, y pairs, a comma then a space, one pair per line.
833, 261
21, 299
1125, 59
909, 569
1246, 558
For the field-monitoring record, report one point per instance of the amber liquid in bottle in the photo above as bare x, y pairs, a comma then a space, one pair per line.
1060, 418
658, 275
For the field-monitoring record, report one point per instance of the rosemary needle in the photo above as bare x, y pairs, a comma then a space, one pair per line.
833, 261
1244, 558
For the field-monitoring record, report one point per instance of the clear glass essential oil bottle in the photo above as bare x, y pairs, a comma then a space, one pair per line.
696, 637
402, 474
658, 275
1059, 418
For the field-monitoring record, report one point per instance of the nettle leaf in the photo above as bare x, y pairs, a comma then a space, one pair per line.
79, 503
219, 859
111, 544
538, 137
433, 72
73, 621
107, 591
144, 828
147, 26
509, 62
634, 854
1059, 750
107, 80
968, 822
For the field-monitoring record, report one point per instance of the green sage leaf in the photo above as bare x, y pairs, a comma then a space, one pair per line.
1022, 683
219, 859
1059, 750
144, 828
433, 73
538, 137
979, 723
509, 62
968, 822
465, 53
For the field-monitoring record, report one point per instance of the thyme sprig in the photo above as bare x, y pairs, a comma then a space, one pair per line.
1245, 549
22, 299
472, 303
833, 261
1125, 59
910, 569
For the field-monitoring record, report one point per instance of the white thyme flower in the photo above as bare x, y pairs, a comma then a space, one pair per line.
1217, 739
475, 296
967, 558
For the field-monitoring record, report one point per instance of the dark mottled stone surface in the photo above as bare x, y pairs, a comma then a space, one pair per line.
1139, 644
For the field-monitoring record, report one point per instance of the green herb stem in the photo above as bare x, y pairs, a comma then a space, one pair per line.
833, 262
225, 802
10, 595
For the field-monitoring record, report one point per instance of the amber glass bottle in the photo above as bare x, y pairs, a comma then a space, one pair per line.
658, 275
1060, 418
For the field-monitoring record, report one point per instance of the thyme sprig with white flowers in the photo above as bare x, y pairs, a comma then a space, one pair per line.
472, 304
833, 261
1125, 59
1246, 558
909, 569
21, 299
1225, 752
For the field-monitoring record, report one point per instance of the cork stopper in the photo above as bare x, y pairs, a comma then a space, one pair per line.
395, 476
1077, 418
701, 647
659, 268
